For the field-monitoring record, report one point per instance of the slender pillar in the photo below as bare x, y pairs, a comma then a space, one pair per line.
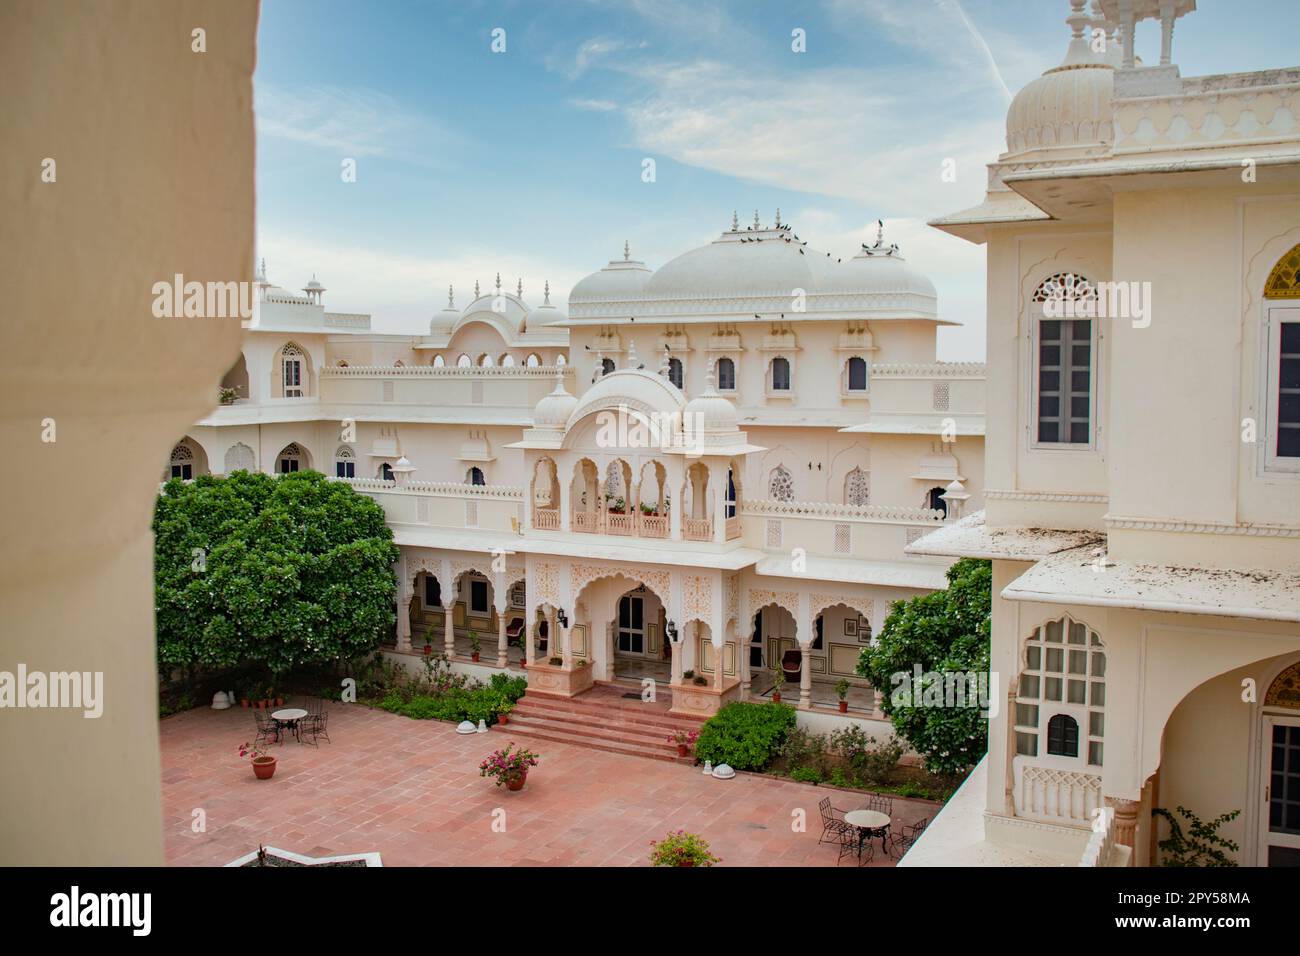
449, 627
1126, 814
1166, 45
719, 665
530, 640
503, 656
403, 622
805, 676
678, 665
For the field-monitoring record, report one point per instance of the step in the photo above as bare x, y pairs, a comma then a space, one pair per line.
604, 702
641, 736
596, 715
580, 739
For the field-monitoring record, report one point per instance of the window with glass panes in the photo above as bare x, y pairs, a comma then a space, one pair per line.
1065, 381
1288, 390
1064, 675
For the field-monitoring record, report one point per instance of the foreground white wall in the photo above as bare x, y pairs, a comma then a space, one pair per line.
153, 145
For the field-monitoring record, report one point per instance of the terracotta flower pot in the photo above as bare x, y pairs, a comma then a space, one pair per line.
502, 719
243, 702
517, 783
264, 767
279, 702
844, 707
428, 648
681, 750
474, 656
776, 697
686, 863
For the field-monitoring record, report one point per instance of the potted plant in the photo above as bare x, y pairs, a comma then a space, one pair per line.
227, 395
842, 689
556, 662
701, 680
474, 645
778, 681
509, 767
263, 762
684, 739
503, 709
681, 849
687, 675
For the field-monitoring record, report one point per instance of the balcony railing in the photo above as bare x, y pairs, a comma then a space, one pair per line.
620, 523
654, 526
697, 529
546, 519
733, 527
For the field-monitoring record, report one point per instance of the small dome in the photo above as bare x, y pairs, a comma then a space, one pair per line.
553, 410
313, 285
622, 279
1069, 105
878, 269
445, 321
754, 262
546, 313
709, 410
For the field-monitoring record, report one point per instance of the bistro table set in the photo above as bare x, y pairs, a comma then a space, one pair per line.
855, 830
306, 724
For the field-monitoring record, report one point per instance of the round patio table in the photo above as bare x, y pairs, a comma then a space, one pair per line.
869, 822
290, 717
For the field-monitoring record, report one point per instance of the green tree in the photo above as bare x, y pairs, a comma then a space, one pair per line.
282, 571
946, 632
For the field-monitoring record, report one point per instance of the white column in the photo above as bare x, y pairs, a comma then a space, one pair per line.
503, 657
530, 636
403, 620
1166, 32
566, 505
449, 623
805, 676
718, 494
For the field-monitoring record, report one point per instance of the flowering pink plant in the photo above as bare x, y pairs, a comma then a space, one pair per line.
246, 750
506, 764
680, 737
681, 849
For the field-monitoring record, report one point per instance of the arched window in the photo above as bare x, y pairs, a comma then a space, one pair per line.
726, 375
780, 485
289, 460
1064, 306
1061, 693
475, 476
780, 374
1063, 736
464, 361
675, 371
561, 360
507, 360
606, 366
730, 510
439, 361
386, 472
613, 479
1282, 375
935, 501
239, 457
182, 462
485, 361
345, 462
533, 361
292, 371
857, 488
857, 374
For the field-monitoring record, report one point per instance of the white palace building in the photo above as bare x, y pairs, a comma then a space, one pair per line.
700, 474
1142, 483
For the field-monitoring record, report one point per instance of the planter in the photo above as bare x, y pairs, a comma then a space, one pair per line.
517, 783
681, 750
428, 649
502, 719
279, 702
243, 702
844, 707
474, 656
264, 767
776, 697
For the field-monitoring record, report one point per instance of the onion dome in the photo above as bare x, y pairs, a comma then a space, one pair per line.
709, 411
553, 410
445, 320
621, 279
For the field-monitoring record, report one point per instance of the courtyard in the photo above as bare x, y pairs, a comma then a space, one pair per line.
410, 790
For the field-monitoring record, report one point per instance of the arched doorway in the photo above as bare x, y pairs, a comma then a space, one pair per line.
641, 649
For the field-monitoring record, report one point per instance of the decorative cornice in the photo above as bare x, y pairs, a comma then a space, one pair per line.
437, 489
1121, 523
830, 510
446, 371
1012, 495
931, 370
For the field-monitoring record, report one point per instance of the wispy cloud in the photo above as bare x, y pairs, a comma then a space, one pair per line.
351, 122
594, 106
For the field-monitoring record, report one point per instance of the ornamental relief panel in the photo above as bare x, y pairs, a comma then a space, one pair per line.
545, 581
1285, 689
656, 581
697, 597
820, 602
786, 599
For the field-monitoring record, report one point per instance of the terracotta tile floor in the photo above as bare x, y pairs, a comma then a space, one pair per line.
410, 790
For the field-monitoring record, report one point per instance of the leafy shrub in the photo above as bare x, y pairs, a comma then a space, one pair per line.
745, 735
681, 849
806, 775
1201, 845
512, 688
802, 748
869, 762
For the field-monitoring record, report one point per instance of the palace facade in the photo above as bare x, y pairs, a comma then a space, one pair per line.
1143, 474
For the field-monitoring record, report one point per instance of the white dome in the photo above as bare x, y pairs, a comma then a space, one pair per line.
553, 410
754, 262
710, 411
546, 313
1069, 105
622, 279
637, 389
878, 270
445, 320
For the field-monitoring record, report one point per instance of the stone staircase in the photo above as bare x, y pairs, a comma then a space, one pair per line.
600, 719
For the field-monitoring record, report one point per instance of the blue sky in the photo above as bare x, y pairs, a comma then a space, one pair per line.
529, 162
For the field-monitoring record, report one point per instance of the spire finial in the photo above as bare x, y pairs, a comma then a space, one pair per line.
710, 377
519, 289
665, 365
261, 272
880, 232
498, 283
627, 251
778, 217
451, 298
631, 354
756, 225
547, 300
476, 292
600, 363
735, 222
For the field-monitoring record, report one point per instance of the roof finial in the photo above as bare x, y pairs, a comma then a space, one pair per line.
498, 283
519, 289
631, 354
627, 251
756, 225
880, 232
778, 217
735, 222
710, 377
600, 363
261, 271
547, 300
451, 298
665, 364
476, 292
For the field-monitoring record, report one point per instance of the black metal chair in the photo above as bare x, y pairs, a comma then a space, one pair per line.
853, 842
268, 729
881, 804
315, 725
901, 842
832, 826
